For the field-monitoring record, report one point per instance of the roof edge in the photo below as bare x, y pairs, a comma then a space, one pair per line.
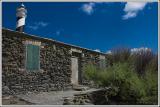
74, 46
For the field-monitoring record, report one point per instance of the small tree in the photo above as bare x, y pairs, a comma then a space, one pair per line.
120, 54
140, 60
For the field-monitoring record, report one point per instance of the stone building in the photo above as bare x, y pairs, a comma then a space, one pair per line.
32, 63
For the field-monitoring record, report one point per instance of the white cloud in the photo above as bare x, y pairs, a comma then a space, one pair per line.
131, 9
138, 50
109, 52
37, 25
88, 8
97, 50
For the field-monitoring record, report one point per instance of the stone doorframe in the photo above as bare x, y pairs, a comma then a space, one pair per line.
78, 53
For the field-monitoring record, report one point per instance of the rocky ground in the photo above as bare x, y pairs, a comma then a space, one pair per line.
13, 100
47, 98
76, 96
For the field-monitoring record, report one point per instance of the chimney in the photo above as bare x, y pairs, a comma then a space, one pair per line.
21, 16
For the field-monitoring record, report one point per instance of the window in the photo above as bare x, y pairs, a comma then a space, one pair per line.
102, 62
32, 57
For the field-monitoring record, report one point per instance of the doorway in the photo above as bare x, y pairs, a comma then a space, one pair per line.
75, 70
76, 77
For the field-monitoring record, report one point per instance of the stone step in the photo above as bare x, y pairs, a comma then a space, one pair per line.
80, 87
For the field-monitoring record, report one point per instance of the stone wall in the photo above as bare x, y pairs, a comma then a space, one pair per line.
55, 63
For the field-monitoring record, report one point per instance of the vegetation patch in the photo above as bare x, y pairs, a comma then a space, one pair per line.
133, 77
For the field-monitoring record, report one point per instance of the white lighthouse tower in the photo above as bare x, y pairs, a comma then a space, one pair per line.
21, 16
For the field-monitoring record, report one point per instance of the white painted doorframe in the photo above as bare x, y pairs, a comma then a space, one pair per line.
74, 68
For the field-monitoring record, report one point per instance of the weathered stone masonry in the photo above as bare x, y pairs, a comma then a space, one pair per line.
55, 63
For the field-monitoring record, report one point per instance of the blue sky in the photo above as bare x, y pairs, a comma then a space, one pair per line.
101, 26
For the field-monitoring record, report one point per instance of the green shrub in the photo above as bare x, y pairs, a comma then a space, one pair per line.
151, 87
90, 72
132, 88
132, 76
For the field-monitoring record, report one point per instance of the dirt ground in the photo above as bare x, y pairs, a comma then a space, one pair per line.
13, 100
40, 98
48, 98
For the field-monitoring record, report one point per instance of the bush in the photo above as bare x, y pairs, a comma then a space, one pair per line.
151, 87
90, 72
138, 60
132, 76
130, 87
